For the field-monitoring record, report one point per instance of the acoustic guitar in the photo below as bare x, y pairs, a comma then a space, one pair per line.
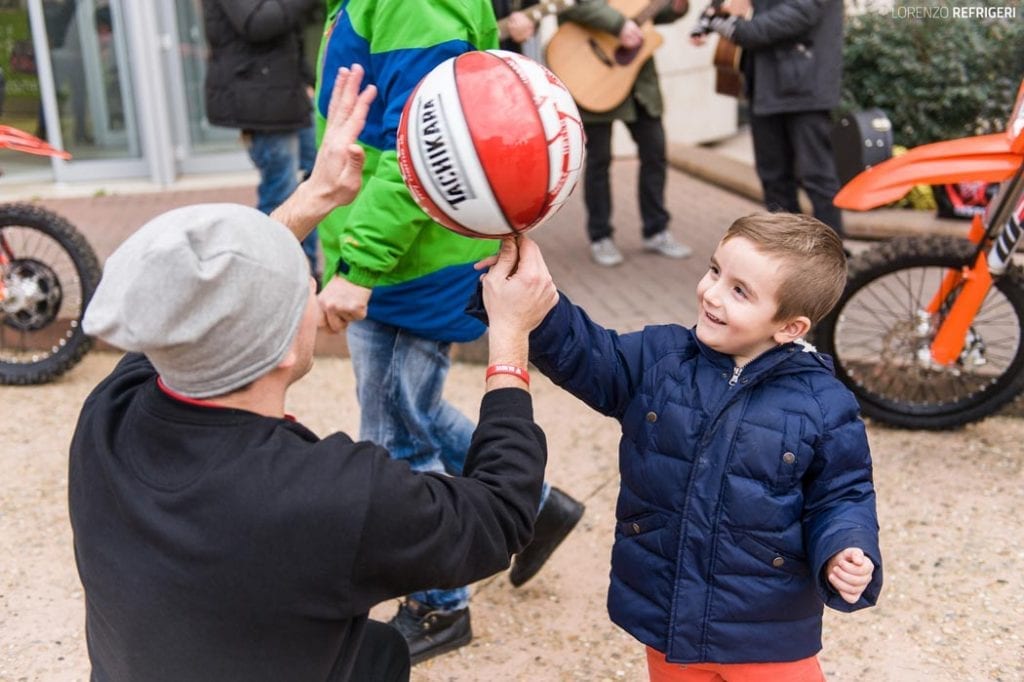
597, 70
728, 76
535, 13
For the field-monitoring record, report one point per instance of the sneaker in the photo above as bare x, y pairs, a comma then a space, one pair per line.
556, 519
430, 633
604, 252
665, 244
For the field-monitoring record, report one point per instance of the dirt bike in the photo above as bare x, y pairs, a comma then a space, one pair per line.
929, 333
48, 273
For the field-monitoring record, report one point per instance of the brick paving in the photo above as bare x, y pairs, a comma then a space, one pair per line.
646, 289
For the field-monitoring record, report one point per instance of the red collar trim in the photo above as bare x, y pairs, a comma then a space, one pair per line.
198, 402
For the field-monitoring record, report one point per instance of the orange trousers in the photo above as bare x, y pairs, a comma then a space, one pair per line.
804, 670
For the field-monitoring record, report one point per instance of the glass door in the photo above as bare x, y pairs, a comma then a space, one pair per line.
93, 113
199, 146
21, 103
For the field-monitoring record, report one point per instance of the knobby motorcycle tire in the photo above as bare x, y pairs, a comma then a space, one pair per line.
907, 253
87, 267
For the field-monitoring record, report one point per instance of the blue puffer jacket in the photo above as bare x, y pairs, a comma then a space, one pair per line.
737, 487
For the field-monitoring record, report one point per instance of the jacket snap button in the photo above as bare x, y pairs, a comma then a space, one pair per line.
789, 458
778, 561
652, 417
636, 527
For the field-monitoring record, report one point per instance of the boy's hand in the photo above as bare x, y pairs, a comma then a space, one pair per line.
849, 572
518, 290
342, 302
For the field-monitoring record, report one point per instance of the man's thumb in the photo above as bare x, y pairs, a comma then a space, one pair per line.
507, 255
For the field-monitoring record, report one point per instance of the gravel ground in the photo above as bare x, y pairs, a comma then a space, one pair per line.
952, 607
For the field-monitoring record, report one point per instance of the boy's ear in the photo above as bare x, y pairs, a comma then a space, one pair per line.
793, 330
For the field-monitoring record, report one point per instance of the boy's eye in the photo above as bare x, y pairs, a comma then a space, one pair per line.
740, 292
713, 269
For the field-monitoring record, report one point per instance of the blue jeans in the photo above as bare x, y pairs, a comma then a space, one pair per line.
399, 382
279, 156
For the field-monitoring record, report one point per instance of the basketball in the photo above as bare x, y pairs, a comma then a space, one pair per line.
490, 144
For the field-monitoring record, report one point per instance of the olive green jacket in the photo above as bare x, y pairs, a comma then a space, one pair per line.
599, 15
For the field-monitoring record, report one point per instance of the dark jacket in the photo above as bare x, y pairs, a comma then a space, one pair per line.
218, 544
599, 15
736, 489
792, 55
255, 78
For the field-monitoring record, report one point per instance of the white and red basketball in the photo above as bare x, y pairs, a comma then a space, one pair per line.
490, 143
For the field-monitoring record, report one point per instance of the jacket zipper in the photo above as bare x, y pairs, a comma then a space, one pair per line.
735, 375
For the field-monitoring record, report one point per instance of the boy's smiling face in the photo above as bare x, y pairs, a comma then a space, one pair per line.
737, 301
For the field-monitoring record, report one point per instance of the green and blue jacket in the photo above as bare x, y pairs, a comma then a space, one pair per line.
421, 273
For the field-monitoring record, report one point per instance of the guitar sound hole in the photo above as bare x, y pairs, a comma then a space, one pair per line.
624, 56
599, 53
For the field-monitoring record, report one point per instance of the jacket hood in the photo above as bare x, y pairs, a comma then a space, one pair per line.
788, 358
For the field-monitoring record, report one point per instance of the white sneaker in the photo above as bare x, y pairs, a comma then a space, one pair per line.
665, 244
605, 253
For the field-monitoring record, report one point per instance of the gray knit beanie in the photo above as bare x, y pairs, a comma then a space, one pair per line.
213, 295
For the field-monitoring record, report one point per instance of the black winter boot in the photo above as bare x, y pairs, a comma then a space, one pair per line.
556, 519
430, 633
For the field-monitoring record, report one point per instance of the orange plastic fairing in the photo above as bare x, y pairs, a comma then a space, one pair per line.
984, 158
20, 141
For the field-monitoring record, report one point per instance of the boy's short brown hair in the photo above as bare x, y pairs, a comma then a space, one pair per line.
815, 263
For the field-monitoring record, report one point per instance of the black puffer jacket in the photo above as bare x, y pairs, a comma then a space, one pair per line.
793, 55
255, 78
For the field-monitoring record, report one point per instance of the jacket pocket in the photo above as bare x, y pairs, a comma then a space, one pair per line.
641, 524
771, 557
790, 464
794, 69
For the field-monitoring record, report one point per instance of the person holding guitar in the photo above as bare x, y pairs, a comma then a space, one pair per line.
792, 66
639, 106
517, 24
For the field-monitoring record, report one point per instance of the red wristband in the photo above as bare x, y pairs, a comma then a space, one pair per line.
509, 369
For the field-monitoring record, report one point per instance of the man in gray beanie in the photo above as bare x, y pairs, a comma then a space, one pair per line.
217, 538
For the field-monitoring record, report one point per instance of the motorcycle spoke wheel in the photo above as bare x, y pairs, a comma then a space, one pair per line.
49, 273
880, 336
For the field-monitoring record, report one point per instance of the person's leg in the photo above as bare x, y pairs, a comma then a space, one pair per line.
773, 158
815, 163
597, 194
399, 380
383, 655
649, 135
276, 157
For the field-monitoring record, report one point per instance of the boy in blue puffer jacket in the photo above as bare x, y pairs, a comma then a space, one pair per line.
746, 500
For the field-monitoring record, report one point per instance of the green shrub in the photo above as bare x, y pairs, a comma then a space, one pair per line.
936, 77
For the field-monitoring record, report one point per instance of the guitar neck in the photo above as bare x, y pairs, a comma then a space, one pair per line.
535, 13
650, 11
542, 9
